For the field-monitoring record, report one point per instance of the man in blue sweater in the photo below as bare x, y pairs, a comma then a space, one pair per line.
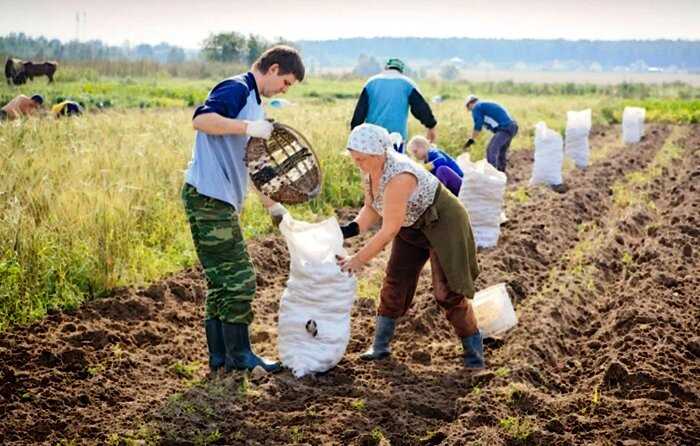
439, 163
216, 184
386, 99
494, 117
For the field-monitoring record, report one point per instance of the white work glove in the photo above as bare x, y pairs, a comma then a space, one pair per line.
258, 129
277, 212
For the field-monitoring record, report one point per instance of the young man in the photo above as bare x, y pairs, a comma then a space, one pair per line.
439, 163
495, 118
215, 189
21, 106
386, 99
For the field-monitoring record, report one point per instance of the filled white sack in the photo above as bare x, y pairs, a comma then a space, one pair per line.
549, 156
632, 124
482, 192
578, 127
314, 314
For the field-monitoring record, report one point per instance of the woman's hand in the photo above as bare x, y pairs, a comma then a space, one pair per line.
351, 264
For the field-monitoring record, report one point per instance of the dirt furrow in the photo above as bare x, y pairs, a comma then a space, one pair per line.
608, 355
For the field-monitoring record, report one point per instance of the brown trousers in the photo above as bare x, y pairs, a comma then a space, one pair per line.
409, 254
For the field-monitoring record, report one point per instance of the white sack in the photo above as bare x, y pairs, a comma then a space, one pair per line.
578, 126
482, 192
632, 124
549, 156
316, 291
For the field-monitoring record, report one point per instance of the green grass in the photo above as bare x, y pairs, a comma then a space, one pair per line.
625, 190
358, 405
91, 203
86, 205
671, 111
119, 93
185, 370
517, 428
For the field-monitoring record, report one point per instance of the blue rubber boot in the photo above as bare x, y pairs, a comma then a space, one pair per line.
239, 355
215, 343
474, 351
383, 333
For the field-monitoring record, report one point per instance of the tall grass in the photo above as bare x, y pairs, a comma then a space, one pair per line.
88, 204
96, 69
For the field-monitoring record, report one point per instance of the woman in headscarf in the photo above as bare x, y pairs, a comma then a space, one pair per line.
424, 221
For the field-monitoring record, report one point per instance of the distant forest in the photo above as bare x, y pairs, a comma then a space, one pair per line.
637, 55
22, 46
502, 53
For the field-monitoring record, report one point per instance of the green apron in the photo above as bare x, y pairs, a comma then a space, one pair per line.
446, 226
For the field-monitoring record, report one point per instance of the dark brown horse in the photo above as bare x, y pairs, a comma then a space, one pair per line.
18, 71
47, 69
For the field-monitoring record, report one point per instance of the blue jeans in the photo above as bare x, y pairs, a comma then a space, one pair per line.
499, 144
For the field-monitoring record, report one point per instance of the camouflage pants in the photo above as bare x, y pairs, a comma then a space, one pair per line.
222, 252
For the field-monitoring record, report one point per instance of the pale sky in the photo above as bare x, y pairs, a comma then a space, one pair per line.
187, 23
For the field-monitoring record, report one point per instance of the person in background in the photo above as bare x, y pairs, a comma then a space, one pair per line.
439, 163
21, 106
495, 118
66, 108
216, 183
386, 99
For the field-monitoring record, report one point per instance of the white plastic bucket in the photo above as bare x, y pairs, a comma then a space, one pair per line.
494, 311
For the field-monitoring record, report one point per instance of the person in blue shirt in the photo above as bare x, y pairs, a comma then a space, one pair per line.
495, 118
386, 99
215, 188
439, 163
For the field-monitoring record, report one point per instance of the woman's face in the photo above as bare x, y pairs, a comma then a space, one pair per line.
366, 163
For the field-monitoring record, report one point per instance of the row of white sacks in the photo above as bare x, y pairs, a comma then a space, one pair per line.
483, 187
550, 148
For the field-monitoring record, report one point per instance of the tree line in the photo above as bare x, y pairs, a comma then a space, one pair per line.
230, 47
506, 53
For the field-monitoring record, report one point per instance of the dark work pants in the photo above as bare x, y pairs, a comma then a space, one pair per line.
409, 253
496, 152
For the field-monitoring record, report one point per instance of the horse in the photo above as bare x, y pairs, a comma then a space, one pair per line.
47, 69
17, 71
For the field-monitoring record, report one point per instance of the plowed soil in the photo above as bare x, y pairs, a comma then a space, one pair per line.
606, 351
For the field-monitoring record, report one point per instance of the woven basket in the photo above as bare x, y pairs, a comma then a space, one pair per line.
284, 167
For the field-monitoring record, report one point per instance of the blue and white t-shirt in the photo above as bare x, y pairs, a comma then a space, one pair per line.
217, 169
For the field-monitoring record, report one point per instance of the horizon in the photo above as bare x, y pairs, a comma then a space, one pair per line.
365, 38
179, 24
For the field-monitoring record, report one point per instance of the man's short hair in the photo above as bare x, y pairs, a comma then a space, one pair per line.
288, 59
38, 99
